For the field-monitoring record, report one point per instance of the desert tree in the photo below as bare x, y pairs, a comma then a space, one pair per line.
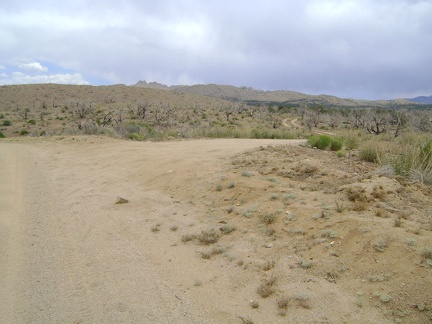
142, 109
421, 120
313, 117
106, 119
229, 109
359, 117
82, 111
377, 122
24, 115
399, 118
302, 110
334, 118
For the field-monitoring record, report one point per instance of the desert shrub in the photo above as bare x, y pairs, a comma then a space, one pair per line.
329, 233
23, 132
268, 218
266, 289
351, 142
426, 255
380, 244
2, 135
336, 143
283, 303
32, 122
412, 158
135, 137
356, 193
188, 237
341, 153
323, 142
7, 123
313, 140
208, 237
369, 154
305, 264
303, 301
226, 229
231, 185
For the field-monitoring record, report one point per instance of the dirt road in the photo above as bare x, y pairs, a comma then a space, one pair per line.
69, 254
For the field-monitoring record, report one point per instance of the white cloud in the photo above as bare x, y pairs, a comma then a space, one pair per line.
35, 66
22, 78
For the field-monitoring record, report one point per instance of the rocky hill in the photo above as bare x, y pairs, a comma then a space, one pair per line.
246, 94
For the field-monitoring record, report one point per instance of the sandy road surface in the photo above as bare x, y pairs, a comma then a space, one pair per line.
69, 254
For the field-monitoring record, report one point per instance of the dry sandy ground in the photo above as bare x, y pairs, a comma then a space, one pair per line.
207, 224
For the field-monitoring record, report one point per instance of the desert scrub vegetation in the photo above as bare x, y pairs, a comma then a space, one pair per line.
268, 218
205, 237
409, 155
380, 244
426, 255
266, 289
324, 142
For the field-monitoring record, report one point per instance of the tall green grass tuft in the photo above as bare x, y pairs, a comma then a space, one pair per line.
410, 155
321, 142
336, 144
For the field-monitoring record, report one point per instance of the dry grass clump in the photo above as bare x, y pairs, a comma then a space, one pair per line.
205, 238
356, 193
268, 218
213, 252
268, 265
303, 301
283, 303
379, 192
226, 229
208, 237
359, 206
266, 289
156, 228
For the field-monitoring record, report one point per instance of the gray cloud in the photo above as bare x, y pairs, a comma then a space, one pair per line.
362, 49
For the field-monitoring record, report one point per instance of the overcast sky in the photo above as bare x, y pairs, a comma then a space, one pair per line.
365, 49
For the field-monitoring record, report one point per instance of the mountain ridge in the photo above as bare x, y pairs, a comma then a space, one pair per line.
421, 100
248, 94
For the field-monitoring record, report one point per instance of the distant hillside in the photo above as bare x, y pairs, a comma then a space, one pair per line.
283, 97
422, 100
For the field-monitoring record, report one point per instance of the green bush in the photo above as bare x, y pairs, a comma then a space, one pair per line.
135, 137
7, 123
321, 142
341, 153
32, 122
336, 144
23, 132
313, 140
2, 135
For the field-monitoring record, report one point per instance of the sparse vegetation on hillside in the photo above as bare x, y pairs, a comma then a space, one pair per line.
385, 132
